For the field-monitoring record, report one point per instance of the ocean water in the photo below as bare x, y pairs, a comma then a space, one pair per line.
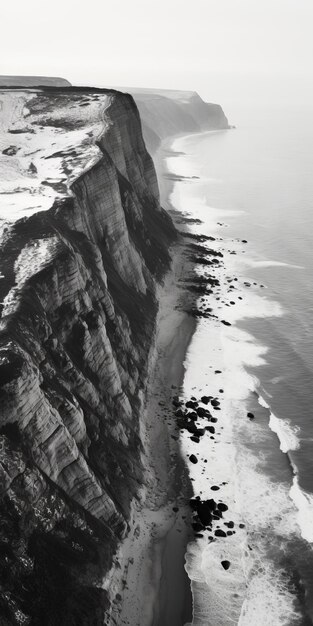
254, 184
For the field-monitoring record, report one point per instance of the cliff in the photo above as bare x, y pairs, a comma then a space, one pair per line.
32, 81
84, 242
166, 112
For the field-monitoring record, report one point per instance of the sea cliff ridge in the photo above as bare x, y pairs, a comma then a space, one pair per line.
84, 244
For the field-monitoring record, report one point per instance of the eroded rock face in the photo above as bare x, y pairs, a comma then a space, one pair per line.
78, 315
167, 112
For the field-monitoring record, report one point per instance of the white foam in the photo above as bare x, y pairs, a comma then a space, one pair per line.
263, 403
252, 590
304, 504
268, 601
274, 264
286, 432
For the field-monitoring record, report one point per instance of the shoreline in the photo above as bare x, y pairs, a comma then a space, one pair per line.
242, 449
157, 587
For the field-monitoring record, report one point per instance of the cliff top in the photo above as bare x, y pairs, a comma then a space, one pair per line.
33, 81
49, 134
46, 141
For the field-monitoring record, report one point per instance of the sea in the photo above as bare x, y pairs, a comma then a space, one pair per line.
251, 189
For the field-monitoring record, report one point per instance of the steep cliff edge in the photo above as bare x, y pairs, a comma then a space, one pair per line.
84, 241
166, 112
78, 310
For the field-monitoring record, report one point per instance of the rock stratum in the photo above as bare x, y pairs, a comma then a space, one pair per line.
84, 242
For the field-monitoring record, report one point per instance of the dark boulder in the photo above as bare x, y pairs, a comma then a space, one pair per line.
190, 404
206, 399
222, 507
201, 412
230, 524
192, 416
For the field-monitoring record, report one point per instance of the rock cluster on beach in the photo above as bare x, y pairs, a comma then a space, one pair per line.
211, 292
210, 515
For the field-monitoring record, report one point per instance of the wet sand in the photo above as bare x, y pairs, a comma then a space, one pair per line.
157, 588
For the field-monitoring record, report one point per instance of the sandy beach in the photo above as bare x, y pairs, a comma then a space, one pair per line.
153, 555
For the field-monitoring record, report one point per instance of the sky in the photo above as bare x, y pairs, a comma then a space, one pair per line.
227, 50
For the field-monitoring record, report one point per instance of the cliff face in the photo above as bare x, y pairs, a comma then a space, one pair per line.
78, 312
167, 112
83, 242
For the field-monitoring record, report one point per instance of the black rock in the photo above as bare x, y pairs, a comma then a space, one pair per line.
192, 428
190, 404
10, 151
222, 507
200, 432
215, 488
192, 416
32, 168
201, 412
204, 509
218, 513
193, 459
220, 533
250, 415
230, 524
195, 439
210, 429
225, 564
226, 323
206, 399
